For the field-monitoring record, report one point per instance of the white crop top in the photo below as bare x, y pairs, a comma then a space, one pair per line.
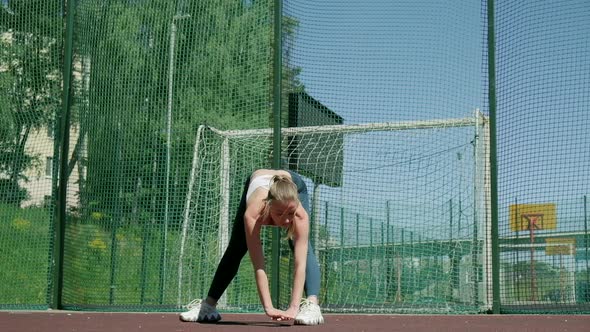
261, 181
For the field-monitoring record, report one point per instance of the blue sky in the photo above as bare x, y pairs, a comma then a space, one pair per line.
378, 60
375, 61
384, 61
544, 102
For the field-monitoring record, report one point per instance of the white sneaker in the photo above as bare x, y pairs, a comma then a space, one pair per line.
200, 311
309, 314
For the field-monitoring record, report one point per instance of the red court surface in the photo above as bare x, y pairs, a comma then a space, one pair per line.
65, 321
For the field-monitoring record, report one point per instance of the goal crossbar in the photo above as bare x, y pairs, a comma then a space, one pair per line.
479, 118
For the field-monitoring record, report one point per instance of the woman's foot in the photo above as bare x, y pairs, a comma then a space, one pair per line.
200, 311
309, 314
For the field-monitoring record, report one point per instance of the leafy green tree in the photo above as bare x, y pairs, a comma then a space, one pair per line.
30, 63
220, 75
120, 101
7, 130
519, 278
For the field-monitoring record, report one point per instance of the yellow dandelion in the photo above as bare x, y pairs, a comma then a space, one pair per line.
21, 224
97, 244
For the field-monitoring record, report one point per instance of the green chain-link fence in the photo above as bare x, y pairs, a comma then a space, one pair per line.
127, 129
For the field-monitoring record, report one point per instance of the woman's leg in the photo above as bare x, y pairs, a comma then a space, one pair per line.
236, 249
312, 274
312, 268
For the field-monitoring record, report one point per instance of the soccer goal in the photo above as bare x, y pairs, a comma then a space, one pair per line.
400, 219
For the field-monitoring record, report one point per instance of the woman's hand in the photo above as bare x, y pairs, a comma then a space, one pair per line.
280, 315
292, 311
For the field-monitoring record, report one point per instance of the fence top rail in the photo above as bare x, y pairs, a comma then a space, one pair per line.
478, 119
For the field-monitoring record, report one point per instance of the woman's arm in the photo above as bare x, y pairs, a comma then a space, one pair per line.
256, 256
300, 242
252, 229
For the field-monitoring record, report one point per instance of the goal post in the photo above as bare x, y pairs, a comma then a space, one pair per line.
409, 213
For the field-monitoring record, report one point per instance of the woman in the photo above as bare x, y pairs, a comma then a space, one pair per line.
270, 198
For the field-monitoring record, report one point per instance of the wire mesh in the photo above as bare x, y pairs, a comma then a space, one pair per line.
542, 96
30, 85
147, 74
402, 231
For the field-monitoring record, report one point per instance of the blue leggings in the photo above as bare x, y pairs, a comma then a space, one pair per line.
237, 248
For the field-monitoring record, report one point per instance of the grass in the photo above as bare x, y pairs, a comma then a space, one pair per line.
110, 266
120, 266
24, 248
107, 266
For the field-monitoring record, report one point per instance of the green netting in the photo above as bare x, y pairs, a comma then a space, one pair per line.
403, 234
171, 107
30, 86
543, 157
149, 74
400, 231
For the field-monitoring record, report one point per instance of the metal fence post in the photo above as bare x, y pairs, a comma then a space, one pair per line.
64, 138
277, 77
493, 158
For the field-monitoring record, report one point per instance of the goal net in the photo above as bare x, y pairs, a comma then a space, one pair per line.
399, 222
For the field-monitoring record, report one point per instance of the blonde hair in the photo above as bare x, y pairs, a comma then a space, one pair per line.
282, 189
